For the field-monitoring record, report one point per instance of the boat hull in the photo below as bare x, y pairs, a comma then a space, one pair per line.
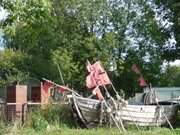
141, 115
147, 115
87, 110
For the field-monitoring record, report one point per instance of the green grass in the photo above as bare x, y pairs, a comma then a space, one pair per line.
56, 130
57, 120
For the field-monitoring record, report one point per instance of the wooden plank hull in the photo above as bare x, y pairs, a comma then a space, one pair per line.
147, 115
90, 109
141, 115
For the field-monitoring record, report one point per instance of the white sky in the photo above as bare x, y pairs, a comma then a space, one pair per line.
2, 13
176, 62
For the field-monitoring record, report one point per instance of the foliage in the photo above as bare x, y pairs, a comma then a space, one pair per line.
100, 131
171, 77
65, 62
69, 32
55, 120
10, 64
38, 121
2, 127
170, 10
56, 115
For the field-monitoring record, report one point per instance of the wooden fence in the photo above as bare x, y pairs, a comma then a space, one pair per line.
10, 112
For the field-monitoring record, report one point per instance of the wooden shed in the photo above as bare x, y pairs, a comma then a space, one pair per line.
17, 97
35, 92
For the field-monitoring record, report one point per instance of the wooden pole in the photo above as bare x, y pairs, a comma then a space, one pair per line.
78, 111
170, 125
60, 74
116, 109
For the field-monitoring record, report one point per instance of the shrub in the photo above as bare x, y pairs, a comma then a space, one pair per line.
59, 115
2, 128
38, 121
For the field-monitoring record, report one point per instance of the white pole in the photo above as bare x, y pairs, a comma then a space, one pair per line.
60, 73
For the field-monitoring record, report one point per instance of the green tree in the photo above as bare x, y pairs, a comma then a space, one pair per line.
68, 32
170, 10
171, 77
9, 65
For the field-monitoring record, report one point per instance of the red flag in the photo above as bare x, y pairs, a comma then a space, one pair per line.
46, 85
97, 76
90, 81
142, 82
101, 76
98, 93
135, 69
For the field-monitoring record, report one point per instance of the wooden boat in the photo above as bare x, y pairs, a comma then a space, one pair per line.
148, 115
89, 111
151, 114
86, 110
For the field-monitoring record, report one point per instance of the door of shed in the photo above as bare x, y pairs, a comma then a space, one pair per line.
11, 98
36, 94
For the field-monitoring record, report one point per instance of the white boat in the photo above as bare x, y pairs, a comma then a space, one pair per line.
148, 115
152, 114
86, 110
89, 111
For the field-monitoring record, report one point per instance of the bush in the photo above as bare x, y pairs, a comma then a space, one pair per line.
59, 115
38, 121
2, 128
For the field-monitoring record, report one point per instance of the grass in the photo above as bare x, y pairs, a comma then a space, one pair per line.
57, 120
56, 130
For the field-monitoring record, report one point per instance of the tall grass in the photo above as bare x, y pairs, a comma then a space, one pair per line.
2, 127
53, 130
57, 120
56, 115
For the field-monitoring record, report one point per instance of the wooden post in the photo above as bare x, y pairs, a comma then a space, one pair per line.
21, 99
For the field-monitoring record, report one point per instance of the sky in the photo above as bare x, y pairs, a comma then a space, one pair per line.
3, 14
176, 62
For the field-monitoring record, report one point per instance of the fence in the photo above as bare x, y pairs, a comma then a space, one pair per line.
10, 112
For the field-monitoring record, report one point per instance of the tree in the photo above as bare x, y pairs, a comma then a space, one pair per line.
9, 65
141, 41
170, 10
171, 77
68, 32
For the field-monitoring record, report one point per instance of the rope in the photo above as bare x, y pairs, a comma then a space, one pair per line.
116, 123
101, 113
161, 107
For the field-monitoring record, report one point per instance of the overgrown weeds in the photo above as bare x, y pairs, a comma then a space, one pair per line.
2, 127
56, 115
57, 120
